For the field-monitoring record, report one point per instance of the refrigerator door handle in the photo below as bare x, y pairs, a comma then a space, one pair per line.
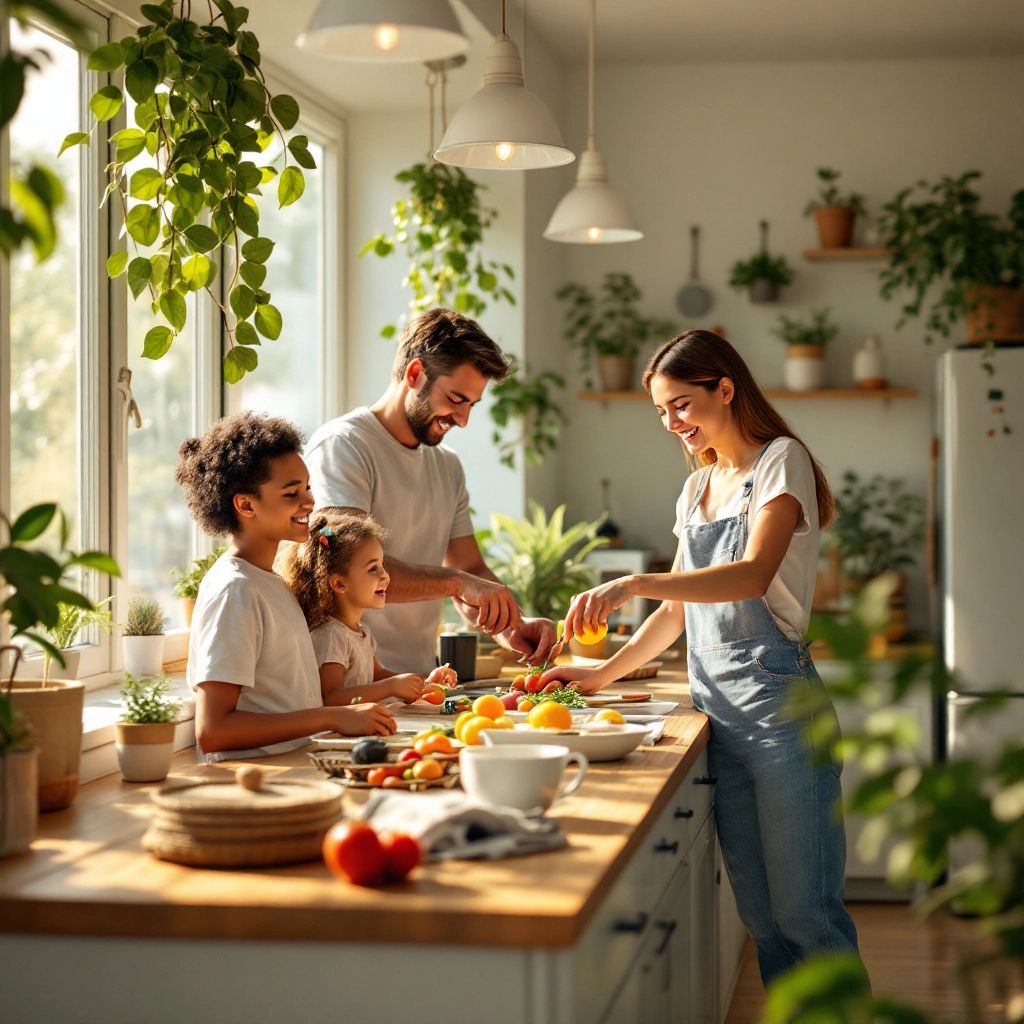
931, 538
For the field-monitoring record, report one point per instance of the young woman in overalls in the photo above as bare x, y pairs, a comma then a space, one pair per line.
748, 525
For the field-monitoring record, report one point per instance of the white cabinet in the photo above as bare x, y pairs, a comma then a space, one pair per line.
732, 937
704, 927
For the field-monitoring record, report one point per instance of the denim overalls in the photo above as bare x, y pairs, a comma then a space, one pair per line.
782, 839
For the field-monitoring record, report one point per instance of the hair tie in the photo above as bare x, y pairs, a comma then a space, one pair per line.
322, 534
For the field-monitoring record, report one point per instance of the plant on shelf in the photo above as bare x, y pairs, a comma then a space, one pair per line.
204, 115
835, 212
763, 274
72, 620
805, 348
145, 730
142, 637
541, 562
527, 400
186, 581
608, 329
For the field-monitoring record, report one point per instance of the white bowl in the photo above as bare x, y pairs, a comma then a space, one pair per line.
606, 744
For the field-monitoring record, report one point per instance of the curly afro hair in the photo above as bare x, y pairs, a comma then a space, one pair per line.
232, 457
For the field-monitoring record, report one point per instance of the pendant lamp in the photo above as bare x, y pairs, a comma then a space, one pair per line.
503, 126
592, 213
394, 31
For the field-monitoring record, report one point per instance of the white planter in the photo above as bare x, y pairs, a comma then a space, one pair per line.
69, 670
143, 655
804, 369
19, 804
144, 752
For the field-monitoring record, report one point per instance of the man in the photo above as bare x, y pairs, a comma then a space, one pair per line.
388, 460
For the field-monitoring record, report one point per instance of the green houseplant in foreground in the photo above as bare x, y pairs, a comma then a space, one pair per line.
205, 131
145, 730
608, 328
540, 561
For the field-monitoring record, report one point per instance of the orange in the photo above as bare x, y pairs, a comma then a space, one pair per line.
461, 721
588, 637
437, 743
471, 730
525, 705
549, 714
427, 769
489, 705
433, 694
609, 715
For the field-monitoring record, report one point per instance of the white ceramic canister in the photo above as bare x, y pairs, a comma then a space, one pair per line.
869, 364
804, 369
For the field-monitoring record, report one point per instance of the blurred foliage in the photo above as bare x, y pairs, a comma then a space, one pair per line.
919, 807
528, 401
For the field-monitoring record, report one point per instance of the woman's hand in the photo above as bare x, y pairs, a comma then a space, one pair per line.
363, 720
443, 676
591, 609
406, 686
532, 640
586, 680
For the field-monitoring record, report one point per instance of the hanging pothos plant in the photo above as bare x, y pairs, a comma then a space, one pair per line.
202, 107
529, 401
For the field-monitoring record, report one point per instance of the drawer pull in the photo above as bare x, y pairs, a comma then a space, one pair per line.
664, 846
705, 780
669, 927
680, 813
638, 924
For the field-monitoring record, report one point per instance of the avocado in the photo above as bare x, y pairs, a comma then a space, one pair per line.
369, 752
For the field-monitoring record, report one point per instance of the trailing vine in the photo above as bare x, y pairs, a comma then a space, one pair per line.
528, 400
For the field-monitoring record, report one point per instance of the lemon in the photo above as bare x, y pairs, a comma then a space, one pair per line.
503, 723
461, 721
589, 637
609, 715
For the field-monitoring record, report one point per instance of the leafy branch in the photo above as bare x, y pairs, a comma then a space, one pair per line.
528, 400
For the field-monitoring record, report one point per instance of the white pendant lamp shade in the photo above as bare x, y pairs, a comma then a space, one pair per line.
503, 126
592, 213
393, 31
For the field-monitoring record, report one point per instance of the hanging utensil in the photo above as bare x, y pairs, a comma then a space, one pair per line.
763, 225
693, 299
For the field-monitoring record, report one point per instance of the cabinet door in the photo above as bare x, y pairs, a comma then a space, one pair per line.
674, 925
703, 927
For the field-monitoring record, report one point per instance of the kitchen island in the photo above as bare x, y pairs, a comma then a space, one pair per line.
618, 926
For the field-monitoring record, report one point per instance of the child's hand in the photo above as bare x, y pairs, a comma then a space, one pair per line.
407, 686
443, 676
363, 720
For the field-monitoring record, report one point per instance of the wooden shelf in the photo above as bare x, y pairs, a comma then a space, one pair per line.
846, 253
634, 396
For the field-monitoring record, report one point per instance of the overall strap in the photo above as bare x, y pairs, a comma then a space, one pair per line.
702, 486
748, 485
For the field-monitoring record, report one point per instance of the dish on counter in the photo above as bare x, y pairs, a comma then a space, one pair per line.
329, 740
596, 741
338, 766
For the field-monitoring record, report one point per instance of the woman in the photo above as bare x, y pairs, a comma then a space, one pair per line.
742, 582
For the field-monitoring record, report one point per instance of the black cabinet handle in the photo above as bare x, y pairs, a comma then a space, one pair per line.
638, 924
680, 813
669, 927
664, 846
705, 780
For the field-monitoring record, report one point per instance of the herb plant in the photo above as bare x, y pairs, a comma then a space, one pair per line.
529, 401
145, 618
205, 115
816, 330
608, 323
829, 194
760, 267
146, 701
186, 581
73, 619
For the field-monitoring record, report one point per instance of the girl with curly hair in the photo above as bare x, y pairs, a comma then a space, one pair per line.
336, 576
251, 662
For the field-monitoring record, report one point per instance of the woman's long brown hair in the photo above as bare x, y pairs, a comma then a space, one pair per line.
703, 358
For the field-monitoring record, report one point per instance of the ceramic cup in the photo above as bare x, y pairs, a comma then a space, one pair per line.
526, 776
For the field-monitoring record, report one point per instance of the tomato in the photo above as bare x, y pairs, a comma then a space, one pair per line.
393, 782
376, 776
433, 695
408, 755
353, 851
510, 700
519, 683
525, 705
401, 854
533, 684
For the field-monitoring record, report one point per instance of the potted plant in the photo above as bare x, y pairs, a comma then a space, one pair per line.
968, 263
35, 590
71, 621
763, 274
608, 329
145, 731
19, 772
142, 637
835, 212
186, 581
879, 528
805, 348
528, 400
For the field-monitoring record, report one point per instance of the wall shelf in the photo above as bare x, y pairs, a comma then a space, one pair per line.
635, 396
846, 253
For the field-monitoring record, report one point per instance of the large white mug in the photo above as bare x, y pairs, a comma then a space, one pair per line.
527, 776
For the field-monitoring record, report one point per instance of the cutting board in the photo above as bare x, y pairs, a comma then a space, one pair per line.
600, 700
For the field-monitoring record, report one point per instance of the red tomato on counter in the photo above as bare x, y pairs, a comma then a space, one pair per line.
401, 855
353, 851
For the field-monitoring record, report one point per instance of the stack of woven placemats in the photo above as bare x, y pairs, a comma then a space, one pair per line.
249, 822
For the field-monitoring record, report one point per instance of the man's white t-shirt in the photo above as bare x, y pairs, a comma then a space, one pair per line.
354, 650
248, 630
417, 494
785, 468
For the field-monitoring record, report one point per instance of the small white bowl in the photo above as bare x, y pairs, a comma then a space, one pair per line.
605, 744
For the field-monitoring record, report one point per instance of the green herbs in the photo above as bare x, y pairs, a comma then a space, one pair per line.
829, 194
567, 695
146, 701
186, 581
145, 618
816, 330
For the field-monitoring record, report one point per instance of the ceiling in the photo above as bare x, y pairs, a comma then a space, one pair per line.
662, 31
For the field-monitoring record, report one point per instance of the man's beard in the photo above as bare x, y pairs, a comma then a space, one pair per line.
420, 416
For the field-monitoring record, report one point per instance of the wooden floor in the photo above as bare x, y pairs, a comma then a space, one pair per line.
913, 961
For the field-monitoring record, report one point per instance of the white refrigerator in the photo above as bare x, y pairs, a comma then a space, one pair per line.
980, 531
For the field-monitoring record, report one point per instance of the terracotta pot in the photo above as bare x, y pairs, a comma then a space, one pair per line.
19, 805
835, 226
144, 751
188, 606
54, 713
615, 372
998, 313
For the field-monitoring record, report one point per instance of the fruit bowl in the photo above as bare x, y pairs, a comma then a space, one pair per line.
607, 743
338, 766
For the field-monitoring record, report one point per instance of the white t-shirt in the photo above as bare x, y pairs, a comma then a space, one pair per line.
334, 642
419, 496
785, 468
248, 630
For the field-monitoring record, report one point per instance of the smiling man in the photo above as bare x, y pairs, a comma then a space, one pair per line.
388, 460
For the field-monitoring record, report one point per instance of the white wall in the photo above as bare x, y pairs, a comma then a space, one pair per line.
724, 145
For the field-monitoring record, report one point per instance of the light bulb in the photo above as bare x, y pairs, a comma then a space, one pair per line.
594, 234
385, 36
504, 151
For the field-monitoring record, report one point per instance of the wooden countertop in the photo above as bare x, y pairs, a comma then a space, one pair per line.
88, 875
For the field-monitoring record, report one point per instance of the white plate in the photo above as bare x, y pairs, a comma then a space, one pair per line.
607, 744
